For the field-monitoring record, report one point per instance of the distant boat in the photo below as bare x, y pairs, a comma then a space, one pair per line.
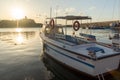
98, 27
116, 41
115, 26
75, 52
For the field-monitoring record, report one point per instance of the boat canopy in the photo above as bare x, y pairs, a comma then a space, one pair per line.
73, 17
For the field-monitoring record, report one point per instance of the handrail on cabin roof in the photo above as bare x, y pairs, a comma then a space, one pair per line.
71, 17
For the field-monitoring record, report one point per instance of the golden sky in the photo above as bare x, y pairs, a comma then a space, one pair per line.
40, 9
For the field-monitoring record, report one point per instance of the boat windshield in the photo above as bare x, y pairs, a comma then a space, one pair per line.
56, 30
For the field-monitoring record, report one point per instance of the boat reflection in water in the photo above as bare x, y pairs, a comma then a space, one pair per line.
19, 36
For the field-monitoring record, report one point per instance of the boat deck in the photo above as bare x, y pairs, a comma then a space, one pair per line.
87, 48
84, 47
95, 49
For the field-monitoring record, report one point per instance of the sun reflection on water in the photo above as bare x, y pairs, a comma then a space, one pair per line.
18, 36
18, 30
19, 39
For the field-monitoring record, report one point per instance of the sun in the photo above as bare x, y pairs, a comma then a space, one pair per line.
17, 13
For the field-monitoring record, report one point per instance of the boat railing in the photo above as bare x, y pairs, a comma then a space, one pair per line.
68, 38
71, 39
88, 36
116, 36
60, 36
116, 47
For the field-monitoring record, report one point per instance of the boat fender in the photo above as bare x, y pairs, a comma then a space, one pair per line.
76, 25
51, 23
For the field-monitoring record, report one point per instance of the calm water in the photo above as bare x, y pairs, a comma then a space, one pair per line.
21, 56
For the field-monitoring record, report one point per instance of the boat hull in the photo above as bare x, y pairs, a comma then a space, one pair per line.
60, 70
81, 63
68, 59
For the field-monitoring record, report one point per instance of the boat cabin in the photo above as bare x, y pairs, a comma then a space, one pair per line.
50, 32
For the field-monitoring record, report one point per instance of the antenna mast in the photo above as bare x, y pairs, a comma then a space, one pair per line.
50, 12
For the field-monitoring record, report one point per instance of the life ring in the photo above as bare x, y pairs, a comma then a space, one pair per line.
76, 25
52, 23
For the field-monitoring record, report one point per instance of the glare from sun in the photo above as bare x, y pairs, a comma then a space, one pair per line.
18, 13
19, 39
18, 29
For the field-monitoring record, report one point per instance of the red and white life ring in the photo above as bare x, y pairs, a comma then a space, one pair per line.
76, 25
52, 23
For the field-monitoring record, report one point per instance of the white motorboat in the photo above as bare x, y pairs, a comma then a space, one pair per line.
77, 53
